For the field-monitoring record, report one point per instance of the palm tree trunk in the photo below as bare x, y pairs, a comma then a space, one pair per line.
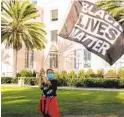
15, 52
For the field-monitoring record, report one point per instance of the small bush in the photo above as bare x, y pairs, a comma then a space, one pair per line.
18, 75
111, 74
34, 73
5, 80
71, 81
61, 82
25, 73
111, 83
89, 73
61, 78
90, 82
80, 83
56, 75
81, 74
29, 80
63, 75
32, 81
100, 73
121, 83
72, 74
15, 80
120, 73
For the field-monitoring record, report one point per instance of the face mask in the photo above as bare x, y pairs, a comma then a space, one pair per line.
50, 76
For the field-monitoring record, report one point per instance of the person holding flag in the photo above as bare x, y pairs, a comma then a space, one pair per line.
48, 104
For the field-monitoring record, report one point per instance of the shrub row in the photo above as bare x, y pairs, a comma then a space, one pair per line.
81, 74
27, 80
91, 74
9, 80
85, 82
30, 80
91, 82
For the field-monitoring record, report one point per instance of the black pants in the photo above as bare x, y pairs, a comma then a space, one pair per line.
46, 115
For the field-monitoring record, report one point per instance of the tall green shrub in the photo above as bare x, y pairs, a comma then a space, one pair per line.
89, 73
26, 73
121, 83
63, 74
79, 83
34, 73
120, 73
71, 78
61, 78
81, 74
111, 74
100, 72
72, 74
5, 80
56, 75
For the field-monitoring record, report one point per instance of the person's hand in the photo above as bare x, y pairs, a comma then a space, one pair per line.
42, 72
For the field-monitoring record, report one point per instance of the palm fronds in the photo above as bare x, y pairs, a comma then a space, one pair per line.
17, 27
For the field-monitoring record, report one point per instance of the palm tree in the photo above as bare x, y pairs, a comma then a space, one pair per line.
114, 8
18, 27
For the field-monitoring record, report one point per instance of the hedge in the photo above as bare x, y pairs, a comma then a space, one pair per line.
7, 80
84, 82
29, 80
93, 82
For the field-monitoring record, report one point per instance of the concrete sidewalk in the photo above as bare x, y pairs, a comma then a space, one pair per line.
69, 88
97, 89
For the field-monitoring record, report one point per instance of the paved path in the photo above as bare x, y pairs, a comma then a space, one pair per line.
96, 115
98, 89
70, 88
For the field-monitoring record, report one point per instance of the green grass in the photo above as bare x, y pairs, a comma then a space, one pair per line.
22, 102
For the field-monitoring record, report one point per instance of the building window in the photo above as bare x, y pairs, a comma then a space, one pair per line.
29, 59
54, 36
122, 62
54, 15
53, 60
87, 59
78, 59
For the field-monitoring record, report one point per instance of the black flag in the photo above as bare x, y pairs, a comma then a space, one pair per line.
93, 27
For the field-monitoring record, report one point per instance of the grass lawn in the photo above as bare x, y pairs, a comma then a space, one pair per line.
22, 102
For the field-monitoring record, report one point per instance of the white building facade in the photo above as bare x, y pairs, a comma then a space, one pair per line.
60, 54
67, 58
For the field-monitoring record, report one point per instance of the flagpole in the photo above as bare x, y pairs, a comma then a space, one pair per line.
50, 50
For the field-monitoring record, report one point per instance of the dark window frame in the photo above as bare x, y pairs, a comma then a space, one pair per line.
52, 15
77, 62
54, 36
54, 60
